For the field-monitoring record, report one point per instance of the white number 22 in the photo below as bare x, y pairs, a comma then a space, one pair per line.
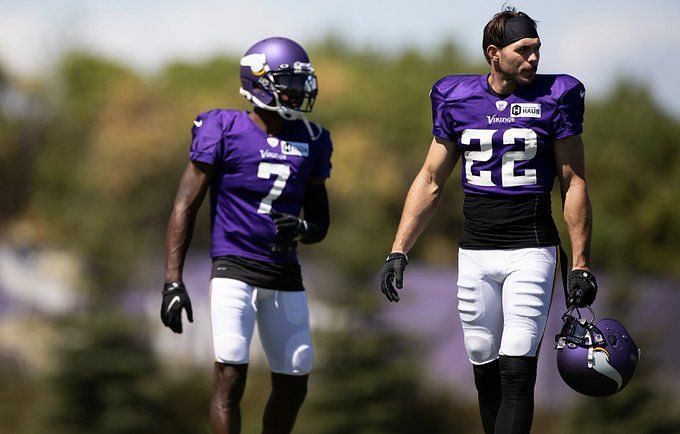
265, 171
508, 177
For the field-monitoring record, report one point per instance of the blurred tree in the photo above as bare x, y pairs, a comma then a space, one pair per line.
96, 169
107, 381
22, 127
639, 408
634, 171
369, 382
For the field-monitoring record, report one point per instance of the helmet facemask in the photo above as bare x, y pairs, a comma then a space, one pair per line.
296, 88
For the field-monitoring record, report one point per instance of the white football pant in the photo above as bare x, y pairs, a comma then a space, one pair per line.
282, 322
503, 300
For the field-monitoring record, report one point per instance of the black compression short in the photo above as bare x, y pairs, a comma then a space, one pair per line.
508, 222
268, 275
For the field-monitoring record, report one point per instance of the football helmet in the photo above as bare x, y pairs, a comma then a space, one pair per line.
595, 358
276, 75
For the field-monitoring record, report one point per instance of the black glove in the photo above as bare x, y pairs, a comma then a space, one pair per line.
289, 228
582, 288
393, 270
175, 298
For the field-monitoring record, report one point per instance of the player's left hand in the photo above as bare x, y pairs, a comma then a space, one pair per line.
393, 273
289, 228
175, 298
582, 288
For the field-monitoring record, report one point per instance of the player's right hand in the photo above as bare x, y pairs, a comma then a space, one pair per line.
175, 298
581, 288
393, 273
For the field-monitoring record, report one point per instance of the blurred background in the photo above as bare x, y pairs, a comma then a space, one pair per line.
96, 104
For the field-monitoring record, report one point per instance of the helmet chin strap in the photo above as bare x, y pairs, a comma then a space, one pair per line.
285, 112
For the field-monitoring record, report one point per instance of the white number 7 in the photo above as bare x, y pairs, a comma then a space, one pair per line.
265, 171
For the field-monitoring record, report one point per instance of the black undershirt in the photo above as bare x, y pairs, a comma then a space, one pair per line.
268, 275
508, 222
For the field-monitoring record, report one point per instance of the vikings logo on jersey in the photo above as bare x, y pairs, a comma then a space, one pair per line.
507, 144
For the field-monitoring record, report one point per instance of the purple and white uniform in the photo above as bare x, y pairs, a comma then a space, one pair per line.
508, 161
508, 255
255, 173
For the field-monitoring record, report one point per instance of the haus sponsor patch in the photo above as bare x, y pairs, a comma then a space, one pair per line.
525, 110
297, 149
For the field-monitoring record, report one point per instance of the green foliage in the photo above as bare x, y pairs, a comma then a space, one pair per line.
111, 150
18, 389
107, 381
639, 408
96, 168
370, 383
633, 162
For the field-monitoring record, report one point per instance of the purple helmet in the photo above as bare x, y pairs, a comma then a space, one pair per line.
276, 75
595, 359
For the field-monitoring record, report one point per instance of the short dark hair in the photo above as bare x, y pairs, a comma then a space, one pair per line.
494, 29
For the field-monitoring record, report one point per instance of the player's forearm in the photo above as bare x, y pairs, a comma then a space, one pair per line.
317, 215
578, 217
421, 202
178, 239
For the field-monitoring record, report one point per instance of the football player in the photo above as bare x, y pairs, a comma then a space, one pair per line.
263, 167
514, 131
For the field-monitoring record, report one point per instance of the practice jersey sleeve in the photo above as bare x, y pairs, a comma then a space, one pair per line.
442, 123
568, 119
322, 165
207, 135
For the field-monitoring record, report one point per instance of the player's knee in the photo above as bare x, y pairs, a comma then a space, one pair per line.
230, 382
231, 348
480, 349
519, 344
303, 358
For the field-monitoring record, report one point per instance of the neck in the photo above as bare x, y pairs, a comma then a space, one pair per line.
271, 122
500, 84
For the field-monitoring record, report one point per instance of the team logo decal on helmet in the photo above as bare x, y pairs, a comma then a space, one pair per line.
276, 75
257, 63
596, 359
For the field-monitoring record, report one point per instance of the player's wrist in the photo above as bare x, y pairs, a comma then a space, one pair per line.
303, 229
397, 255
174, 286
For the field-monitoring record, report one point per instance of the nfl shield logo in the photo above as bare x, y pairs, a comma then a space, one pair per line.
501, 105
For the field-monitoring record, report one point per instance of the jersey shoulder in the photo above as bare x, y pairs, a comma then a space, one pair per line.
455, 87
558, 84
225, 120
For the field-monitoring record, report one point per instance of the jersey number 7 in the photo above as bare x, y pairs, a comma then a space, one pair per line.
265, 171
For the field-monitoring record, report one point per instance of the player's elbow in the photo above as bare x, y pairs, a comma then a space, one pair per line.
431, 184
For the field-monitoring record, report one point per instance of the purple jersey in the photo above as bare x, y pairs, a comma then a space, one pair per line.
507, 144
255, 173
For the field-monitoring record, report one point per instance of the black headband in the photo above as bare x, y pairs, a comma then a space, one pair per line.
517, 28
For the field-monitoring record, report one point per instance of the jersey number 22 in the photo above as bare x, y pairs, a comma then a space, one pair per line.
508, 177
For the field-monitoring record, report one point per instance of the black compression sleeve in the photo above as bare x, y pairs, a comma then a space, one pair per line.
316, 214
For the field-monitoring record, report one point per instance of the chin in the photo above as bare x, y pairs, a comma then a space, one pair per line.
524, 80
